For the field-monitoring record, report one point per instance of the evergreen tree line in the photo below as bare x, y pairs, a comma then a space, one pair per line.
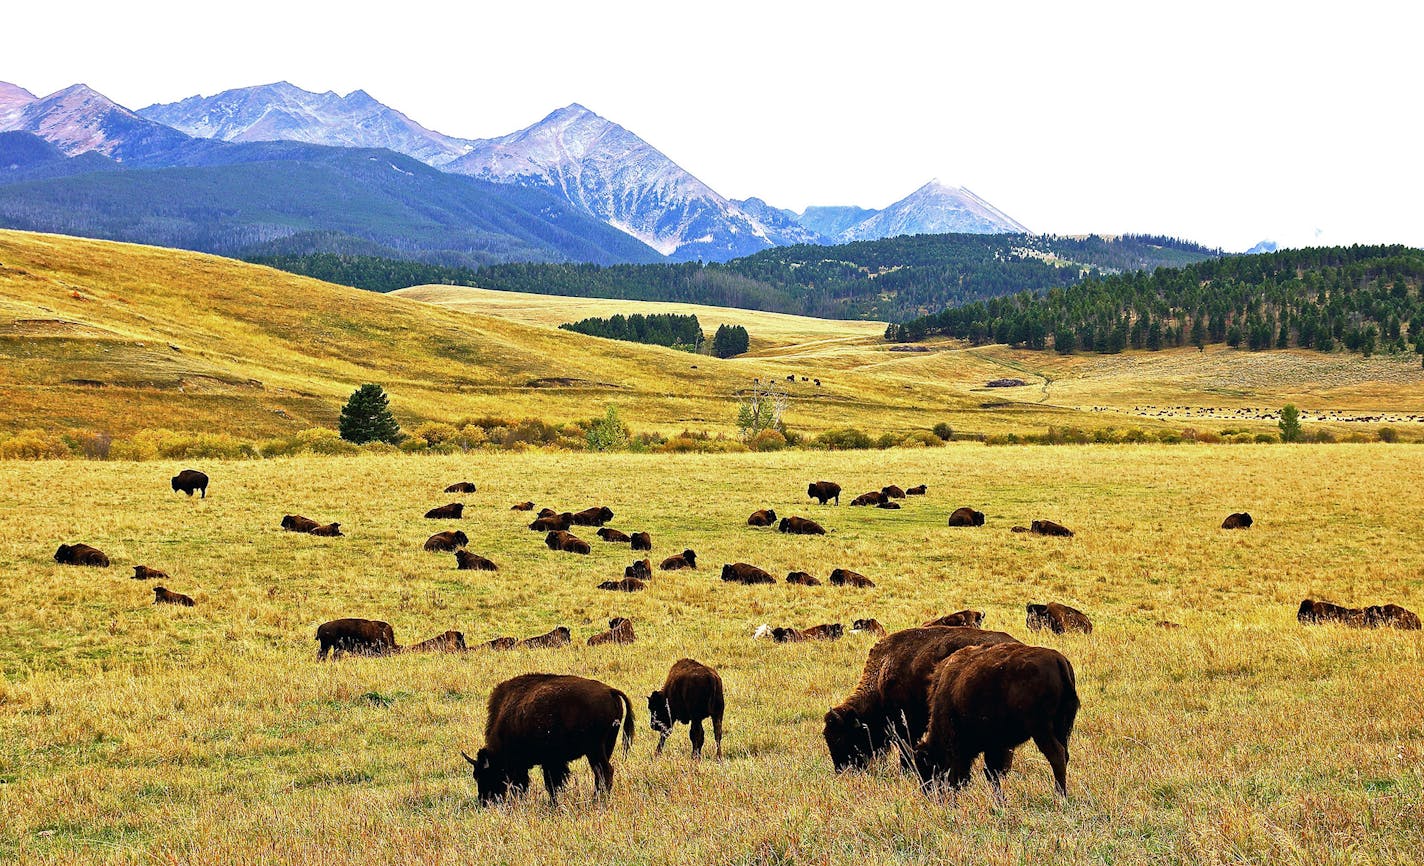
658, 329
730, 341
1365, 299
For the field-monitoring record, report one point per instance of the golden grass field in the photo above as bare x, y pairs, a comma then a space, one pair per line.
134, 734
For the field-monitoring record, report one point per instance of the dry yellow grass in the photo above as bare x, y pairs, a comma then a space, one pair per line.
130, 733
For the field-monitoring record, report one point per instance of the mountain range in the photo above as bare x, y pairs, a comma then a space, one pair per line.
208, 159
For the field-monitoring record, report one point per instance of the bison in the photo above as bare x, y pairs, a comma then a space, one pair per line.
988, 700
444, 542
966, 516
869, 626
1057, 618
461, 487
81, 554
846, 577
593, 516
627, 584
162, 595
620, 630
453, 511
567, 542
522, 506
641, 541
874, 497
889, 505
298, 523
549, 512
449, 642
189, 480
549, 720
824, 491
970, 618
890, 491
1048, 527
825, 631
918, 490
143, 572
553, 523
501, 643
467, 561
800, 526
686, 559
801, 578
891, 703
1375, 616
362, 636
692, 692
1239, 520
641, 569
764, 517
613, 535
741, 572
552, 639
1391, 616
330, 530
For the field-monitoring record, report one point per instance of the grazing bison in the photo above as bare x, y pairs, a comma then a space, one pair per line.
641, 541
467, 561
846, 577
549, 720
890, 491
799, 526
567, 542
162, 595
81, 554
189, 480
692, 692
553, 523
919, 490
741, 572
801, 578
450, 642
641, 569
966, 517
891, 703
869, 626
764, 517
889, 505
988, 700
1375, 616
620, 630
1057, 618
370, 637
824, 491
522, 506
461, 487
330, 530
298, 523
874, 497
686, 559
1239, 520
501, 643
627, 584
553, 639
444, 542
453, 511
143, 572
613, 535
970, 618
1048, 527
593, 516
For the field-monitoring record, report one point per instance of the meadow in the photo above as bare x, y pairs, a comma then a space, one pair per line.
131, 733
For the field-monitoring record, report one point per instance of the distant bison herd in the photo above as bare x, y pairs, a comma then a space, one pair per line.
941, 694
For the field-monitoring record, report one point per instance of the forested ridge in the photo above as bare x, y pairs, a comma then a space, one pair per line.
659, 329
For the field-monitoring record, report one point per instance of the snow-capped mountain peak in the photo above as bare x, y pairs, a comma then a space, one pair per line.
79, 119
935, 208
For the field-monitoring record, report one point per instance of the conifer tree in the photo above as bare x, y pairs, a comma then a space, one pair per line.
367, 417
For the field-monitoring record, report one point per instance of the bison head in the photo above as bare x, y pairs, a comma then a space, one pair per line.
659, 712
492, 779
1038, 617
850, 740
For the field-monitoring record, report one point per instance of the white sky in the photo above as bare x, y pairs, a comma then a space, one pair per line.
1225, 123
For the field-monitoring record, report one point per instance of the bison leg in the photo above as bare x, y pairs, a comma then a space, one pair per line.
1057, 755
997, 763
697, 737
662, 740
555, 775
717, 733
321, 653
602, 774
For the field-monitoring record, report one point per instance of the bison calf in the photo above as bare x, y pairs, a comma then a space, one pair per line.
467, 561
686, 559
461, 487
450, 642
764, 517
81, 554
846, 577
627, 584
1057, 618
353, 635
143, 572
444, 542
189, 480
522, 506
801, 578
330, 530
163, 596
692, 692
298, 523
620, 630
869, 626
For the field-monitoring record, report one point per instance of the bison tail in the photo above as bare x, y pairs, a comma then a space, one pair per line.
629, 723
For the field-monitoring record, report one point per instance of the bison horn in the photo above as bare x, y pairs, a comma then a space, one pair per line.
473, 762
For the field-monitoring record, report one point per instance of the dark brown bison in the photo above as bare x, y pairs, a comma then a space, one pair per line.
741, 572
370, 637
890, 491
799, 526
1239, 520
522, 506
990, 699
549, 512
554, 523
824, 491
298, 523
444, 542
919, 490
552, 639
143, 572
467, 561
764, 517
453, 511
846, 577
966, 517
164, 596
970, 618
801, 578
549, 720
330, 530
1375, 616
889, 505
627, 584
1057, 618
613, 535
874, 497
620, 630
461, 487
189, 480
501, 643
567, 542
1048, 527
686, 559
891, 703
692, 692
593, 516
641, 541
825, 631
1018, 529
869, 626
450, 642
641, 569
1391, 616
81, 554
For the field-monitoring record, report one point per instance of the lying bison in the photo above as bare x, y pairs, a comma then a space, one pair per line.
889, 505
825, 631
330, 530
449, 642
1374, 616
641, 569
686, 559
593, 516
161, 595
801, 578
799, 526
988, 700
298, 523
970, 618
1048, 527
549, 720
613, 535
741, 572
891, 703
143, 572
189, 480
467, 561
764, 517
868, 626
891, 491
692, 692
966, 517
627, 584
522, 506
1239, 520
620, 630
444, 542
567, 542
1057, 618
918, 490
461, 487
552, 639
553, 523
361, 636
874, 497
846, 577
81, 554
641, 541
501, 643
453, 511
824, 491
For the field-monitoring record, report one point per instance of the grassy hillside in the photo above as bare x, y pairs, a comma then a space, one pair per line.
131, 733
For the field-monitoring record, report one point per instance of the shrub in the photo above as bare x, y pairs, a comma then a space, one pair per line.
922, 439
607, 433
94, 446
767, 440
34, 445
1325, 437
887, 440
434, 432
1266, 439
1209, 437
844, 439
1388, 434
944, 431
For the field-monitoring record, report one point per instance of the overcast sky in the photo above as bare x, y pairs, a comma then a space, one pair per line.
1226, 123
